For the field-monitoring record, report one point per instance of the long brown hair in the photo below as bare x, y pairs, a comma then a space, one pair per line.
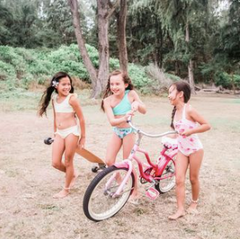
46, 97
108, 91
186, 89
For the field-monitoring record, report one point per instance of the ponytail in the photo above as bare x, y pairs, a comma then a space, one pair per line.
45, 99
173, 114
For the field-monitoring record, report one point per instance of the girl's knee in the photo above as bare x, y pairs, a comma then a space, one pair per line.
180, 181
56, 165
194, 180
68, 160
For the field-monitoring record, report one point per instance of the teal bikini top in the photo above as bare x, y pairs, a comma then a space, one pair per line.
124, 106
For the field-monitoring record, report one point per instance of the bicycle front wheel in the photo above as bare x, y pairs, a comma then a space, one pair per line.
99, 201
167, 181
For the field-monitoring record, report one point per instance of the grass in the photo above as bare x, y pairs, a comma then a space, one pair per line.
22, 100
28, 181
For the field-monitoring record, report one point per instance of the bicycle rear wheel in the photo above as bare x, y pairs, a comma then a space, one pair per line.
168, 178
99, 203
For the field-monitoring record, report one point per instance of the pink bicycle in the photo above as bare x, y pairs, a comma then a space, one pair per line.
110, 189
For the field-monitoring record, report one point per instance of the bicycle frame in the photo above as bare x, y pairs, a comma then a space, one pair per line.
110, 189
159, 167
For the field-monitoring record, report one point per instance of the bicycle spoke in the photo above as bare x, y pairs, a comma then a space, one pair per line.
102, 201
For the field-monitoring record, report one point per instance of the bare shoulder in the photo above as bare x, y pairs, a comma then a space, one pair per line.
73, 98
108, 99
191, 111
133, 95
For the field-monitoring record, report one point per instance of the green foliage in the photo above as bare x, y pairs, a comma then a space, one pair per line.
37, 66
23, 66
148, 45
43, 25
227, 81
173, 77
138, 76
113, 64
7, 71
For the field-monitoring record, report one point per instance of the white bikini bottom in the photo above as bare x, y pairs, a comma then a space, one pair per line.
71, 130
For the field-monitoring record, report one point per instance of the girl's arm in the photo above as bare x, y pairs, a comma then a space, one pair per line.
112, 120
137, 104
203, 124
73, 101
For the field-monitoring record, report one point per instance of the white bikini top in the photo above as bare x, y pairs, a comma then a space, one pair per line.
63, 107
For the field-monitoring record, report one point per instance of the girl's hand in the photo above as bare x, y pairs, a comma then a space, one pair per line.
126, 116
135, 106
186, 133
81, 142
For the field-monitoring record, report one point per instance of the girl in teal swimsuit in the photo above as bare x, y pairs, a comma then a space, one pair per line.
119, 102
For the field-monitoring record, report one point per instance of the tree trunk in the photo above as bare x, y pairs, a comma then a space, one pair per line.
159, 43
190, 64
82, 48
121, 36
233, 83
191, 76
177, 68
103, 45
105, 10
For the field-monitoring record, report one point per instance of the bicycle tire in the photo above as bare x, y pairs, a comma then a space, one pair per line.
165, 185
98, 203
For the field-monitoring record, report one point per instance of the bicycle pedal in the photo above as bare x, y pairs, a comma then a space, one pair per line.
152, 193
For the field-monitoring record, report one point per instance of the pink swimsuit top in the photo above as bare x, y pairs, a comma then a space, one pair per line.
187, 144
63, 107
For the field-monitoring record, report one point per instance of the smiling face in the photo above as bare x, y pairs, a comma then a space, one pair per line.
117, 85
174, 95
64, 86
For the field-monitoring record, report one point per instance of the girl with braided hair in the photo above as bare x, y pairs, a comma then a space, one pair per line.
187, 122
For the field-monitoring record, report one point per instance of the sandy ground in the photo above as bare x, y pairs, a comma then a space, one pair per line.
27, 180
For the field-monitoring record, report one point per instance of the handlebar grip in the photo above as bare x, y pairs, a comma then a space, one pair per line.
129, 119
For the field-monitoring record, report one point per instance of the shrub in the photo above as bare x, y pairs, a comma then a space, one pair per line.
160, 80
138, 76
7, 71
113, 64
8, 55
227, 81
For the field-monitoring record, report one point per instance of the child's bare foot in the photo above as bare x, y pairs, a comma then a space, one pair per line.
178, 214
62, 194
134, 198
193, 207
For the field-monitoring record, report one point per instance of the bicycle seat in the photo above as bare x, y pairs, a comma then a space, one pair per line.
169, 143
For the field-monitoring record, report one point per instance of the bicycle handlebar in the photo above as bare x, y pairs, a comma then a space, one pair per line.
129, 121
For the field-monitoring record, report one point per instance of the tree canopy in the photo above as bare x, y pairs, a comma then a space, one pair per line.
168, 34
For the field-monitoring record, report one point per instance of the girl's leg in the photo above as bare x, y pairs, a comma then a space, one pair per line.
113, 148
70, 147
181, 169
128, 143
195, 161
57, 153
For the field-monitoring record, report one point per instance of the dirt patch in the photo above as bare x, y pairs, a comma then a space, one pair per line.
27, 180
